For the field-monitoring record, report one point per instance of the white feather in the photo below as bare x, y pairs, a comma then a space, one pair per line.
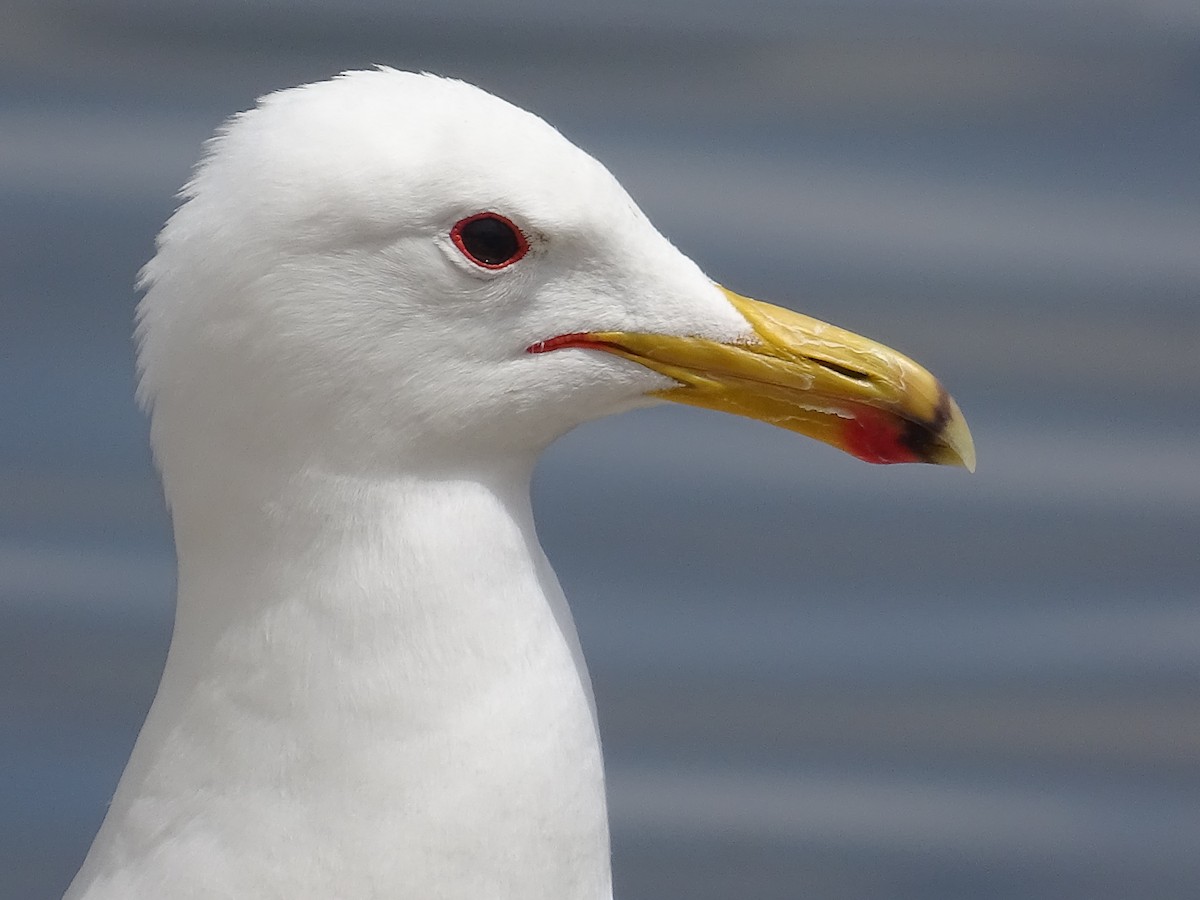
374, 688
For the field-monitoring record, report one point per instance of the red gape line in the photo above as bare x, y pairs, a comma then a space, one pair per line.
578, 339
876, 437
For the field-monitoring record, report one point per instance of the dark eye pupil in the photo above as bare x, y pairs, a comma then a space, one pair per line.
489, 240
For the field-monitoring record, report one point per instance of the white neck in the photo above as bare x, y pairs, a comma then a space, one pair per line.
374, 689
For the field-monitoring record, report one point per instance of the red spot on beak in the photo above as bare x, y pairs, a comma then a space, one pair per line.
877, 437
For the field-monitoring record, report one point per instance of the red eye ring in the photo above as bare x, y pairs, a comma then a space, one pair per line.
489, 240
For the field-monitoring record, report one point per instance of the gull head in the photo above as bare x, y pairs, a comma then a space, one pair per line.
391, 270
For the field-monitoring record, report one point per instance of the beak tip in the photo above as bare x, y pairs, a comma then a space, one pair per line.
957, 438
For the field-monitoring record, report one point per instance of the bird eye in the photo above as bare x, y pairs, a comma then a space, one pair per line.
489, 240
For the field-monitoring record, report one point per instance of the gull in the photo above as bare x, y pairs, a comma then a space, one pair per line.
382, 296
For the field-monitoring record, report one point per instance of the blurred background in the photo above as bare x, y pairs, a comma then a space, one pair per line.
815, 678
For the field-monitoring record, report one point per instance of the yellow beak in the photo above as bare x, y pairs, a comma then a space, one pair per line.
804, 375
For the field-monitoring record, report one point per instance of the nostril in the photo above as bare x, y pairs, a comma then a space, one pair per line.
845, 371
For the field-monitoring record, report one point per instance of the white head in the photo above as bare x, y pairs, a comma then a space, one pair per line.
309, 302
314, 303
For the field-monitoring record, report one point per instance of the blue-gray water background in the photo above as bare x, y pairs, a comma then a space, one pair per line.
815, 678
